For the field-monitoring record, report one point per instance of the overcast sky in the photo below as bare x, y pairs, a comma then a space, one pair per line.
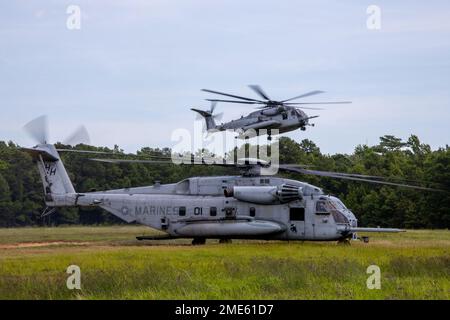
133, 70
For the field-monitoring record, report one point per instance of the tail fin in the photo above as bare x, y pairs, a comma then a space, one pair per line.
209, 119
54, 176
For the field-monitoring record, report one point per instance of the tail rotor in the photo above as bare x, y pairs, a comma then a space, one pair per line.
209, 116
37, 129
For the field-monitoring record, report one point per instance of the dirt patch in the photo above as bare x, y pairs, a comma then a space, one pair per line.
40, 244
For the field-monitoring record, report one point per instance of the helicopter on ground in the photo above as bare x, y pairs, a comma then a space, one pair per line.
282, 115
245, 206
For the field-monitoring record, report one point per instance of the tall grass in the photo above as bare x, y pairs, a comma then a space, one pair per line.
415, 265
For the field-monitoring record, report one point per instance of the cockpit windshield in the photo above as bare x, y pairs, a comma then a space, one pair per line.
299, 114
338, 204
333, 206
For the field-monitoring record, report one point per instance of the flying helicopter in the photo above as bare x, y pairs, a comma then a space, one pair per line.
283, 115
244, 206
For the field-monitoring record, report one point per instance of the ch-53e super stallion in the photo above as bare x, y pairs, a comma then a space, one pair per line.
282, 115
246, 206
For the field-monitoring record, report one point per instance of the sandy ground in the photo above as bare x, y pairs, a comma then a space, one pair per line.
40, 244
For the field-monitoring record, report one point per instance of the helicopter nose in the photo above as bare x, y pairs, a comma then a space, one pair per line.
302, 120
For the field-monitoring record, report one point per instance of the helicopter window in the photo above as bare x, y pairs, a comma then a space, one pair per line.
252, 211
284, 115
339, 205
213, 211
293, 113
264, 181
339, 217
297, 214
322, 207
182, 211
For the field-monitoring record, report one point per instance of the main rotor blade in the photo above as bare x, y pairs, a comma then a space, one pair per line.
38, 129
88, 151
326, 102
308, 108
186, 161
113, 153
230, 95
259, 91
357, 175
234, 101
311, 93
353, 177
131, 161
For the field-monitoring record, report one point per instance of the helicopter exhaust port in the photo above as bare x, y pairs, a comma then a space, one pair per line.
265, 194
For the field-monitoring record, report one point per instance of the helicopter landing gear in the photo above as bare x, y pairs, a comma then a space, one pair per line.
269, 138
198, 241
344, 242
225, 241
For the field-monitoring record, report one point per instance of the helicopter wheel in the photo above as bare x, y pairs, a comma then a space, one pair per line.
344, 242
198, 241
269, 138
225, 241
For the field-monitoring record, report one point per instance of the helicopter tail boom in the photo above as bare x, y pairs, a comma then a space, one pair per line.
55, 180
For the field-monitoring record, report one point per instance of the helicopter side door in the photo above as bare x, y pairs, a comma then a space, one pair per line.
296, 222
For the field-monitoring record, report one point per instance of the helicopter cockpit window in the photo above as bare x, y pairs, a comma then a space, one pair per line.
335, 207
322, 207
293, 113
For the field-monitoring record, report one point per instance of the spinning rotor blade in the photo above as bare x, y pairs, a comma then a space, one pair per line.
112, 153
304, 95
233, 101
218, 116
186, 161
309, 108
86, 151
330, 102
259, 91
231, 95
131, 161
80, 135
355, 177
38, 129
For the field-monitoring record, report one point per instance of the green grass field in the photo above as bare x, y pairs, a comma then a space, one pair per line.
33, 263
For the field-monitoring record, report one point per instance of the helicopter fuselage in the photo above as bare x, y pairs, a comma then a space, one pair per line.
283, 119
227, 207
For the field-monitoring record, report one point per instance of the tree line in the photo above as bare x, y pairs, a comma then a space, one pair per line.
21, 195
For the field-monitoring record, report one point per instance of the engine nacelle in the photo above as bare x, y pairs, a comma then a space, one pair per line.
265, 194
273, 111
